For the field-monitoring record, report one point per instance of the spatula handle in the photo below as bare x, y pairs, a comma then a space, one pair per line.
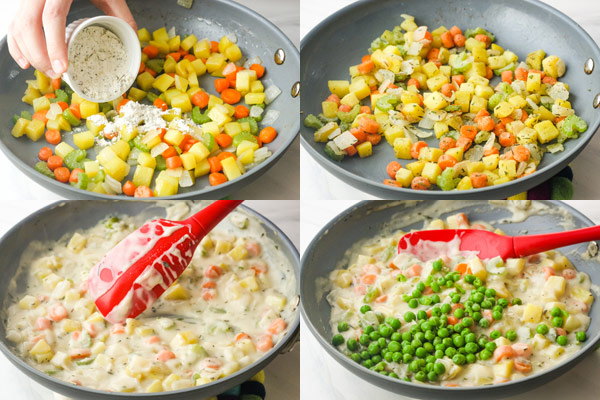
206, 219
532, 244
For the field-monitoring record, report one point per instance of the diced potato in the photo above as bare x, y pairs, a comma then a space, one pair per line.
416, 167
176, 292
504, 109
532, 313
350, 100
19, 129
238, 253
431, 171
276, 301
546, 130
477, 268
254, 98
250, 283
143, 175
88, 108
35, 129
527, 135
365, 149
539, 342
514, 266
402, 148
465, 184
477, 104
183, 102
553, 66
430, 154
41, 104
507, 169
77, 243
230, 168
582, 295
28, 302
167, 185
504, 369
340, 88
41, 347
84, 140
200, 151
553, 351
222, 246
554, 286
491, 162
404, 177
534, 81
163, 82
435, 101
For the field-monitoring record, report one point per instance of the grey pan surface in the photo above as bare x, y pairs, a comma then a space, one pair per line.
50, 223
519, 25
366, 219
207, 19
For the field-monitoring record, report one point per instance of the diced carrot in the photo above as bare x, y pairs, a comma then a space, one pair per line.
464, 142
458, 80
365, 110
221, 85
535, 71
151, 72
480, 114
462, 268
413, 82
241, 111
392, 182
75, 175
217, 178
359, 134
478, 179
42, 324
75, 109
50, 95
368, 279
161, 104
413, 270
433, 54
415, 149
452, 320
223, 139
175, 56
231, 96
503, 352
507, 76
142, 67
201, 98
392, 168
62, 174
118, 329
488, 151
41, 116
366, 67
446, 161
549, 80
129, 188
151, 51
260, 70
79, 353
420, 183
208, 294
169, 152
264, 343
56, 83
209, 284
447, 143
241, 336
121, 104
351, 150
455, 30
53, 136
447, 39
486, 124
521, 74
521, 153
507, 139
344, 108
359, 290
143, 191
459, 40
63, 105
368, 125
152, 339
334, 98
468, 131
268, 134
548, 272
214, 46
165, 355
489, 73
522, 349
57, 312
277, 326
523, 366
569, 273
213, 272
55, 162
225, 154
483, 38
45, 153
365, 58
374, 138
174, 162
259, 267
383, 298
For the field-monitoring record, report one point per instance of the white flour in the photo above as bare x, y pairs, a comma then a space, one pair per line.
98, 63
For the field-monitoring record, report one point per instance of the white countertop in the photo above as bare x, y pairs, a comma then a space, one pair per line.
276, 183
317, 183
282, 375
329, 380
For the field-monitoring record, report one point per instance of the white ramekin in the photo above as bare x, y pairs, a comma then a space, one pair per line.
124, 32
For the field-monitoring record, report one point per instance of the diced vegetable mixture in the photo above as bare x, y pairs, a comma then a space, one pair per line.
457, 320
182, 133
422, 83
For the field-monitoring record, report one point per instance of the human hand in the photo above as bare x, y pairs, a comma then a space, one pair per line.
36, 35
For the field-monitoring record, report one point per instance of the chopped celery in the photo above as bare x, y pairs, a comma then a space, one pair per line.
333, 153
75, 159
446, 180
372, 293
112, 220
510, 67
350, 115
572, 126
326, 120
252, 122
482, 137
61, 95
453, 108
26, 115
379, 43
71, 118
82, 181
209, 141
85, 361
42, 168
99, 177
496, 99
156, 65
198, 117
105, 107
451, 134
461, 64
344, 126
161, 163
68, 90
178, 149
151, 97
310, 122
137, 143
505, 88
385, 103
240, 137
469, 33
15, 118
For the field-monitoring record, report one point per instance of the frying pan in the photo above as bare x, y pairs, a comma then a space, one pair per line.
207, 18
50, 223
519, 25
366, 219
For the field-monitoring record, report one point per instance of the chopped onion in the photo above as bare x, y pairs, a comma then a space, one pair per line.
426, 123
546, 99
112, 185
407, 67
532, 104
383, 74
252, 60
232, 37
518, 86
435, 115
521, 168
397, 118
475, 153
271, 94
270, 117
558, 91
561, 111
186, 179
172, 32
555, 148
517, 114
384, 85
174, 172
240, 165
337, 132
33, 83
414, 49
229, 68
133, 156
490, 142
151, 134
536, 152
413, 138
158, 149
522, 65
54, 111
419, 33
261, 154
256, 111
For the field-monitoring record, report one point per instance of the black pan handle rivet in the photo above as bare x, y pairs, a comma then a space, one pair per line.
279, 56
597, 101
588, 67
296, 89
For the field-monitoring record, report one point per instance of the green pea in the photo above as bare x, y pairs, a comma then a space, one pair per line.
385, 373
396, 356
450, 352
420, 336
343, 326
364, 339
421, 352
469, 278
429, 335
459, 313
413, 303
581, 336
562, 340
432, 376
471, 348
394, 346
490, 346
477, 282
406, 358
437, 265
406, 298
470, 337
425, 326
447, 341
375, 335
476, 307
477, 297
511, 335
459, 359
482, 341
435, 299
410, 349
490, 293
367, 363
422, 315
416, 294
394, 323
385, 330
365, 355
388, 356
557, 322
441, 281
485, 354
443, 332
481, 290
471, 358
459, 341
420, 286
542, 329
414, 366
456, 298
421, 376
406, 336
365, 308
497, 315
516, 301
409, 316
369, 329
352, 344
497, 308
401, 278
355, 357
439, 368
477, 316
428, 347
337, 340
425, 300
495, 334
458, 328
484, 323
446, 308
382, 343
416, 343
394, 375
556, 312
503, 303
374, 349
486, 304
396, 336
467, 321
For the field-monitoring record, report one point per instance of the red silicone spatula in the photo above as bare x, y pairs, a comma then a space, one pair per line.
130, 277
490, 245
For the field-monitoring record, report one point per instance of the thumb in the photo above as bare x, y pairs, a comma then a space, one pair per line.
116, 8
